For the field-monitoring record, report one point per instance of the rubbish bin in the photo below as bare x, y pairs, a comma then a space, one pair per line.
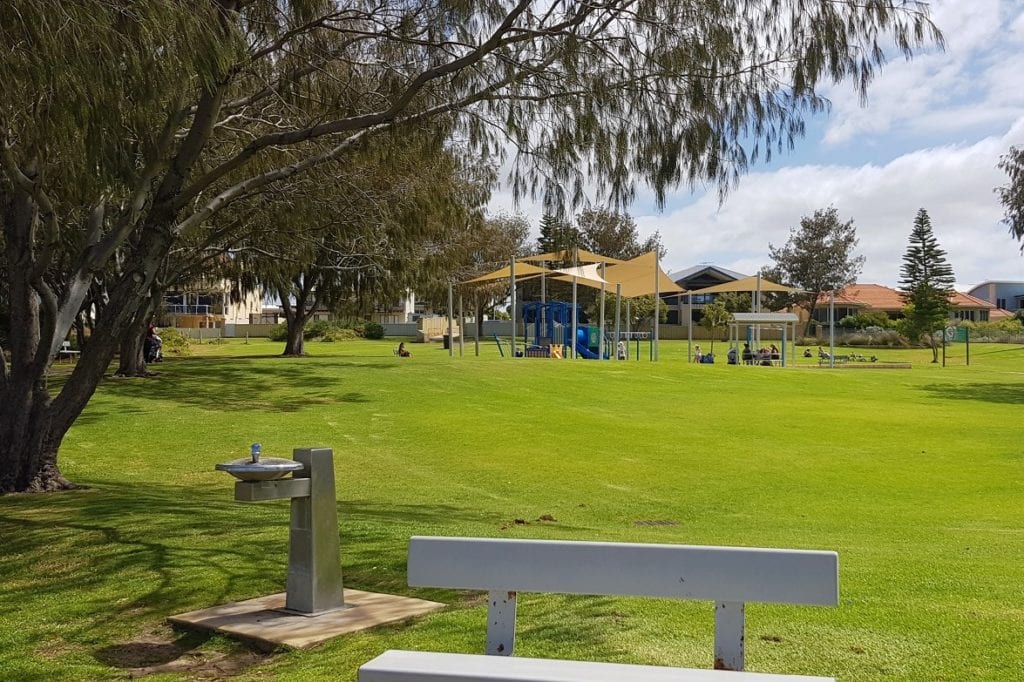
447, 340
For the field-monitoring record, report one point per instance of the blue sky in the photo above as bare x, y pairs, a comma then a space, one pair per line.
929, 136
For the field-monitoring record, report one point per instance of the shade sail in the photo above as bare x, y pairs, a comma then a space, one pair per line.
744, 285
591, 273
522, 270
636, 278
580, 256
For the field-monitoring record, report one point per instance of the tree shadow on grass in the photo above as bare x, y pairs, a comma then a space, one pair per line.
87, 567
270, 384
1002, 393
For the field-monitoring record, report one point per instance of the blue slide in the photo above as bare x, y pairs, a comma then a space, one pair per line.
585, 352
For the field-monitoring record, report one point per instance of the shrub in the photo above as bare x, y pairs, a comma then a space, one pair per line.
279, 333
317, 329
373, 330
339, 333
174, 342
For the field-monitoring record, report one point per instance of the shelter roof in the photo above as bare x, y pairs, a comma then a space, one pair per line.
580, 256
752, 283
687, 273
765, 318
522, 270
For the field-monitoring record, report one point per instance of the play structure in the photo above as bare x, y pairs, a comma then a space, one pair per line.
559, 329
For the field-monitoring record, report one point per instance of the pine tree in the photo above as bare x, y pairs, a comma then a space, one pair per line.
926, 283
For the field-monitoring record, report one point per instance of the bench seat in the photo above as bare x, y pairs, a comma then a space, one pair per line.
422, 666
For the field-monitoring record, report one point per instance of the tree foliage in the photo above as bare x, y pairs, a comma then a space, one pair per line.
128, 130
614, 234
716, 316
1012, 194
926, 283
818, 257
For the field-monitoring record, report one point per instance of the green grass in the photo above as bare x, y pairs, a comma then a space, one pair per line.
914, 477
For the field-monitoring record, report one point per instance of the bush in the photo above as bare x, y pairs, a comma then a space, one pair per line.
279, 333
868, 319
373, 330
887, 337
339, 333
174, 342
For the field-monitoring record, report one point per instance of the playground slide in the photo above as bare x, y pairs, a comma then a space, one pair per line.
585, 352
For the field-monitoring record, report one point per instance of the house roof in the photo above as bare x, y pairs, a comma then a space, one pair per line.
878, 297
999, 314
689, 272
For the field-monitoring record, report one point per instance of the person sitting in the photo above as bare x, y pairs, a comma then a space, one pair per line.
764, 357
808, 353
402, 352
748, 355
775, 353
731, 356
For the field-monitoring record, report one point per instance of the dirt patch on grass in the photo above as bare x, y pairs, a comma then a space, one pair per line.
170, 653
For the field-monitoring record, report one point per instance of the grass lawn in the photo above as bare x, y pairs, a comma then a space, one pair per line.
913, 476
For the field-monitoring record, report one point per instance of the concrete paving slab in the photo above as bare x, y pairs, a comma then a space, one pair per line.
264, 622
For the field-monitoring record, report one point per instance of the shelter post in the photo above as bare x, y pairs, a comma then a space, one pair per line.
657, 305
689, 327
600, 323
451, 322
629, 323
512, 308
462, 329
618, 317
476, 322
575, 314
832, 329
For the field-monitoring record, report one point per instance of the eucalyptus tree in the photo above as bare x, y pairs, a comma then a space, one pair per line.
926, 283
126, 126
1011, 195
614, 233
818, 257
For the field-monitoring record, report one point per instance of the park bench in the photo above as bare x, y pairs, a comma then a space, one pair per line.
66, 352
728, 576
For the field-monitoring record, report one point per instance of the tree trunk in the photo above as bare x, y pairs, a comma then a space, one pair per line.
28, 446
131, 362
295, 344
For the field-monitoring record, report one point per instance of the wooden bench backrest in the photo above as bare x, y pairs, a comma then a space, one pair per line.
733, 574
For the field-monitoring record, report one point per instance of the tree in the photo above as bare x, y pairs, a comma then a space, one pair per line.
716, 316
1012, 195
926, 283
231, 99
485, 249
614, 234
818, 257
556, 235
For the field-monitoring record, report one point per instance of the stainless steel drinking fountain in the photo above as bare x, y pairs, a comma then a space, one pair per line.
314, 553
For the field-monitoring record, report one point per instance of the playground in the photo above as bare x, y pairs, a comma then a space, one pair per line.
913, 477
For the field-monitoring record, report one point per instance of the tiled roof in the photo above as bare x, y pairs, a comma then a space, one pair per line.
999, 314
878, 297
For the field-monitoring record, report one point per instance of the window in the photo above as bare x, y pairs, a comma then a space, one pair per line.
1001, 303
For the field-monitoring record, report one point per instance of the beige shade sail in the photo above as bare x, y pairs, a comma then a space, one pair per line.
745, 285
580, 256
523, 270
635, 276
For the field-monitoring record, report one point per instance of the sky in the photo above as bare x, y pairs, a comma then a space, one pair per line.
929, 136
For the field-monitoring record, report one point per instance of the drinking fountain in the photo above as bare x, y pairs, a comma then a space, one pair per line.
314, 553
314, 607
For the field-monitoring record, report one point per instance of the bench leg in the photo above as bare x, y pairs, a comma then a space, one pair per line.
501, 623
729, 635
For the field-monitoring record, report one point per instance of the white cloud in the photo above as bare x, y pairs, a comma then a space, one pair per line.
975, 82
954, 183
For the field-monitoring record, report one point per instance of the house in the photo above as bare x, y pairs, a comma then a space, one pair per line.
859, 297
691, 279
1005, 296
208, 306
